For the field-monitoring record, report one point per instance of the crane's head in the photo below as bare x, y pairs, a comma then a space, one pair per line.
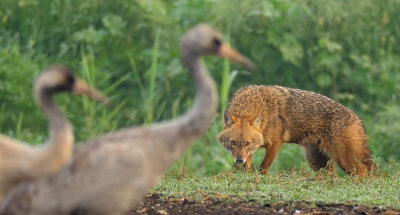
204, 40
58, 78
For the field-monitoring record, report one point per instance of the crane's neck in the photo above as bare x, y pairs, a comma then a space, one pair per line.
61, 138
199, 117
172, 138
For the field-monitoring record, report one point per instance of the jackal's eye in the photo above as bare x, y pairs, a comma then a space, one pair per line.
233, 143
247, 143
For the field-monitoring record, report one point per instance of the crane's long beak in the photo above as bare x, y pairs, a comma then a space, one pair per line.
226, 51
81, 88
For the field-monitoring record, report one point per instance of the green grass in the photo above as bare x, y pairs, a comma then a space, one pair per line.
295, 185
129, 50
152, 80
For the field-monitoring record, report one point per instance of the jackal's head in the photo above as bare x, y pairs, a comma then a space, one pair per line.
241, 137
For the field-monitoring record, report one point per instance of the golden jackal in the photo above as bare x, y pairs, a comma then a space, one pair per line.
267, 116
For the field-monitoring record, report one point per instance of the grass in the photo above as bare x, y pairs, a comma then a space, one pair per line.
295, 185
131, 56
152, 80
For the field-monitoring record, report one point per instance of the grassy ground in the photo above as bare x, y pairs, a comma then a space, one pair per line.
296, 185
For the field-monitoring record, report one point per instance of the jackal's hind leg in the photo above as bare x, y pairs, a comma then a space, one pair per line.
318, 160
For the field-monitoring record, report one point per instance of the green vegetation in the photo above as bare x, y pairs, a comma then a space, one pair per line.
347, 50
294, 185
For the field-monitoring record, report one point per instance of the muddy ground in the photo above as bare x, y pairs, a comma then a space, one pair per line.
154, 204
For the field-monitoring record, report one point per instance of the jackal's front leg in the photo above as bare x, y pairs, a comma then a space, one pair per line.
270, 153
247, 164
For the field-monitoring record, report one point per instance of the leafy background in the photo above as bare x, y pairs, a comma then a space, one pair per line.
347, 50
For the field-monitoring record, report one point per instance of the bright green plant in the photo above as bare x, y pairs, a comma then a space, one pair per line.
347, 50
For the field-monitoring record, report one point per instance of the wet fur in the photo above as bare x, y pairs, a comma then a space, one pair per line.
326, 129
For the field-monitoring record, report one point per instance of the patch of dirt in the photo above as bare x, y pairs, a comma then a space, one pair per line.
155, 205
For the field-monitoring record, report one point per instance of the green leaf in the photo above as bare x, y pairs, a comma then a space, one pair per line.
90, 35
324, 80
291, 49
114, 24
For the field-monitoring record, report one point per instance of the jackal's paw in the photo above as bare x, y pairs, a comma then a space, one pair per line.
263, 171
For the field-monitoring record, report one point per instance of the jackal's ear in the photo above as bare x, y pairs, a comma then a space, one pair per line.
256, 122
228, 119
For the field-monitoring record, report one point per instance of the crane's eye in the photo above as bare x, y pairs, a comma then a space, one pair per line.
247, 143
233, 143
217, 41
70, 78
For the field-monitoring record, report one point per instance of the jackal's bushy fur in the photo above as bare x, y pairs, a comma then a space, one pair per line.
267, 116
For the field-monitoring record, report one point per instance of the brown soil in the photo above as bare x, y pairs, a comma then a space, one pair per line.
154, 204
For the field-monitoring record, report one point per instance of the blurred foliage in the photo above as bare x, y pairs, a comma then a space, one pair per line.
347, 50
